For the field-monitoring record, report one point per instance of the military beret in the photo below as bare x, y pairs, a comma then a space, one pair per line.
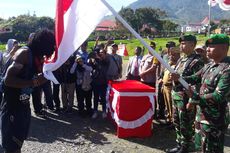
217, 39
187, 38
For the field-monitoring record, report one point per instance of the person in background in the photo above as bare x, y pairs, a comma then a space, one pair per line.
21, 76
132, 72
147, 68
11, 47
68, 85
115, 64
5, 59
83, 85
201, 50
159, 87
174, 55
100, 81
83, 52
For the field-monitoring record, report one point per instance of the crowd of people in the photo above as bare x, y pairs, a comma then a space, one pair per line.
198, 114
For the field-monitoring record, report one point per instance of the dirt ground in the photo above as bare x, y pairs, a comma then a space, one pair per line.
62, 133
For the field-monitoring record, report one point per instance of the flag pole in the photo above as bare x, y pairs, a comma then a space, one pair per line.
209, 18
166, 65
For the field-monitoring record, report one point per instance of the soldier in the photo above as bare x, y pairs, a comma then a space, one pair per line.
214, 94
183, 119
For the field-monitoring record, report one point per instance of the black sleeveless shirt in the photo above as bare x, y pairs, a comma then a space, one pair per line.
18, 98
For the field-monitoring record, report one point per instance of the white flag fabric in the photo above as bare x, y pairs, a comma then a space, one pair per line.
224, 4
212, 3
75, 21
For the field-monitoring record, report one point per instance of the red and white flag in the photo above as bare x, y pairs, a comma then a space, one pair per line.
212, 3
224, 4
75, 21
122, 50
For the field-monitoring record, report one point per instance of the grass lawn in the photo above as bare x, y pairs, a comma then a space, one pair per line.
133, 43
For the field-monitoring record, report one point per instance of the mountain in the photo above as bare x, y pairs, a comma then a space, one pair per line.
184, 11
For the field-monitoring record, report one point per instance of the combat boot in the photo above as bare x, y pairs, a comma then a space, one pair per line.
183, 149
174, 150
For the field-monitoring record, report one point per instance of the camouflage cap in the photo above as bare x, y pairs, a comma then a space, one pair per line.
217, 39
188, 38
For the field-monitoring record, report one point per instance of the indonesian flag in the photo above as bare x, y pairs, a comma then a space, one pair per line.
75, 21
224, 4
212, 3
122, 50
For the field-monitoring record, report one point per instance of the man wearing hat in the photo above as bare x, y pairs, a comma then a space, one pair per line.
174, 55
159, 86
115, 67
213, 95
183, 119
201, 49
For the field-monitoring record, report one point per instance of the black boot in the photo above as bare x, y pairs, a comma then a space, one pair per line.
174, 150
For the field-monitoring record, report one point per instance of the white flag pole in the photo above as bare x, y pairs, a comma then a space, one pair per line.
209, 18
182, 81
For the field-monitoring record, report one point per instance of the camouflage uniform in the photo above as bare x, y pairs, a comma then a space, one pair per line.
184, 119
212, 99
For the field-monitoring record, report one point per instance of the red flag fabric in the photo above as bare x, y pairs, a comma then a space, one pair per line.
75, 21
224, 4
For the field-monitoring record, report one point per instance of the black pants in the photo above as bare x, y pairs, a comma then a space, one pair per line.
36, 99
56, 98
15, 128
84, 96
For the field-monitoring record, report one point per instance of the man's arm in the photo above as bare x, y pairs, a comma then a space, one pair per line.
20, 59
221, 91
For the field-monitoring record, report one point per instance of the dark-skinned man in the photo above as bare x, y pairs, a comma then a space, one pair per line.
22, 75
183, 119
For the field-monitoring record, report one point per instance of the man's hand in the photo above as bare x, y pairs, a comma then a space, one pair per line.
190, 106
40, 79
174, 76
190, 91
159, 81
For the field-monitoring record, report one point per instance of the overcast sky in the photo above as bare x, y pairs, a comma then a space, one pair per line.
9, 8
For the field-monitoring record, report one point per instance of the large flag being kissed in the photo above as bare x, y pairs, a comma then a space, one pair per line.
75, 21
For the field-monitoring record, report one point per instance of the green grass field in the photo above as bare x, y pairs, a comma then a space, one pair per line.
133, 43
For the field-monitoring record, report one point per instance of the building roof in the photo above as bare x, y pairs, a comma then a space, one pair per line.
106, 25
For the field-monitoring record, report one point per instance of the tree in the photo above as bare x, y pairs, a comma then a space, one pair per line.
23, 25
142, 16
169, 26
129, 16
